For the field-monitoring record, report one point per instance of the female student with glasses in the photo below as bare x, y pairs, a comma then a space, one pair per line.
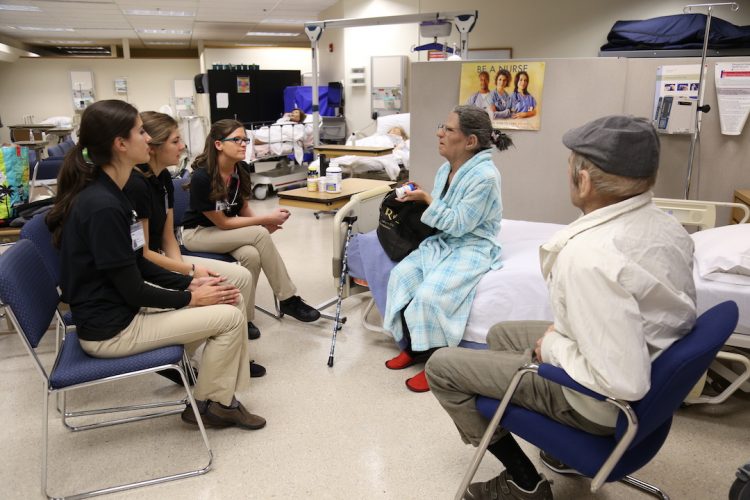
220, 219
151, 194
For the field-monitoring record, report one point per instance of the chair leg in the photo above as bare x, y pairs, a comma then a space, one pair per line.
739, 379
276, 315
137, 484
120, 409
644, 487
631, 481
491, 427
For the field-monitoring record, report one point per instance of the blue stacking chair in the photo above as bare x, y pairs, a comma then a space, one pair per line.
29, 294
181, 203
642, 426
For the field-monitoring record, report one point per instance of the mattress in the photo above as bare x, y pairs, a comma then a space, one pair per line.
517, 290
711, 293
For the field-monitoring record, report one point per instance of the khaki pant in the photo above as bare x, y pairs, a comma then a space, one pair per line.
235, 274
253, 247
224, 369
456, 375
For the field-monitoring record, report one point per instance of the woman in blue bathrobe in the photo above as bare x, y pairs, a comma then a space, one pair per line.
430, 292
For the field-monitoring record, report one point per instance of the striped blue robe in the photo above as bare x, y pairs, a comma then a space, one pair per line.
436, 283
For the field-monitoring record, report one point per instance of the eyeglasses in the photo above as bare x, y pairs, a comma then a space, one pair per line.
445, 128
236, 140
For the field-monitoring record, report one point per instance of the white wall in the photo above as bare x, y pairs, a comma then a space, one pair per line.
41, 87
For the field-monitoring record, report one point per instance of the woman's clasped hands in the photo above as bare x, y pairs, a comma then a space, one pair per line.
210, 291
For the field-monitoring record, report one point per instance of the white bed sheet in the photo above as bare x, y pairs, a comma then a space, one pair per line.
516, 291
711, 293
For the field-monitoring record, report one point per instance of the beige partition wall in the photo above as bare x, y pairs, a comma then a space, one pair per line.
533, 172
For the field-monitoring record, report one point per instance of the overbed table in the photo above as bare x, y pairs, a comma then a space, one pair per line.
316, 200
335, 150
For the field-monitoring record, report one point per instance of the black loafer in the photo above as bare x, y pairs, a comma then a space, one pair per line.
252, 331
256, 370
295, 307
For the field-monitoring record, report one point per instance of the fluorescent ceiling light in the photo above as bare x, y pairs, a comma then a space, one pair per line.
39, 28
270, 33
63, 42
163, 32
159, 12
286, 21
20, 8
165, 43
254, 45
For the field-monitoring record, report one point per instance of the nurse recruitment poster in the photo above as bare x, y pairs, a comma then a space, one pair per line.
510, 92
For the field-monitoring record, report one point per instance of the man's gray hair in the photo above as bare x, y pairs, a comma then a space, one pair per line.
616, 186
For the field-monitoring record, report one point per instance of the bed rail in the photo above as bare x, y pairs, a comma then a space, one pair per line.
697, 213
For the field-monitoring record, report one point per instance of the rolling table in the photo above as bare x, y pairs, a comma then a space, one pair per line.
315, 200
334, 150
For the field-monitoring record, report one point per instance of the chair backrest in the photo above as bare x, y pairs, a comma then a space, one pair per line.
677, 370
37, 232
55, 151
181, 201
28, 289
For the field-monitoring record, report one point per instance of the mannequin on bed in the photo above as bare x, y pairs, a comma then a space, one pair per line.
430, 291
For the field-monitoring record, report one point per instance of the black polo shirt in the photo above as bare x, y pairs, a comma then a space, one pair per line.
151, 196
95, 241
200, 200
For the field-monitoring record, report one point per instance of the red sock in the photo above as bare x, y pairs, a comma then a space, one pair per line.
418, 383
401, 361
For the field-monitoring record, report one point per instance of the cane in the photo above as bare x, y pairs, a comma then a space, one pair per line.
344, 269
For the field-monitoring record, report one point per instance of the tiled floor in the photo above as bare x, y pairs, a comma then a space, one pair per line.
348, 432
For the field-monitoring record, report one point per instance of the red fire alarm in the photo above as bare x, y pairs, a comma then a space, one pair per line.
330, 47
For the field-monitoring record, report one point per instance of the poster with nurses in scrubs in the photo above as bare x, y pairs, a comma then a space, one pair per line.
510, 92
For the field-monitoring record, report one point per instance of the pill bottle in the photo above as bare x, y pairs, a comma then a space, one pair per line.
312, 178
334, 174
401, 191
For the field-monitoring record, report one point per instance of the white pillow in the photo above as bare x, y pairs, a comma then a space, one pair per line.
723, 253
385, 123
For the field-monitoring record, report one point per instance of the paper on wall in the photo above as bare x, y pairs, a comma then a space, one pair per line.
733, 93
222, 100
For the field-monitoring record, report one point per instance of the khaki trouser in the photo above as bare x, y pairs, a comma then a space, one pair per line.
224, 369
235, 274
456, 375
253, 247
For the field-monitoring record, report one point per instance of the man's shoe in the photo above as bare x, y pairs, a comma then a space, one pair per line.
252, 331
502, 488
188, 416
556, 465
256, 370
295, 307
236, 414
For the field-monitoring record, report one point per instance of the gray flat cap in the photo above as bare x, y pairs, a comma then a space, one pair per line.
618, 144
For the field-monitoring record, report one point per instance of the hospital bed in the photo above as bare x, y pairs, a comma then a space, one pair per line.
517, 291
274, 143
392, 166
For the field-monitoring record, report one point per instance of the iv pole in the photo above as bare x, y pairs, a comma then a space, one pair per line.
701, 108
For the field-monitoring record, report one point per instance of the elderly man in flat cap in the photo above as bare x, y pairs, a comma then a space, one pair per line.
621, 288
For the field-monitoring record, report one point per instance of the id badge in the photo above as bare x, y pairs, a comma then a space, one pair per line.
136, 235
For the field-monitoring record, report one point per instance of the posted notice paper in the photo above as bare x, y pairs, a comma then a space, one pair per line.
733, 93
